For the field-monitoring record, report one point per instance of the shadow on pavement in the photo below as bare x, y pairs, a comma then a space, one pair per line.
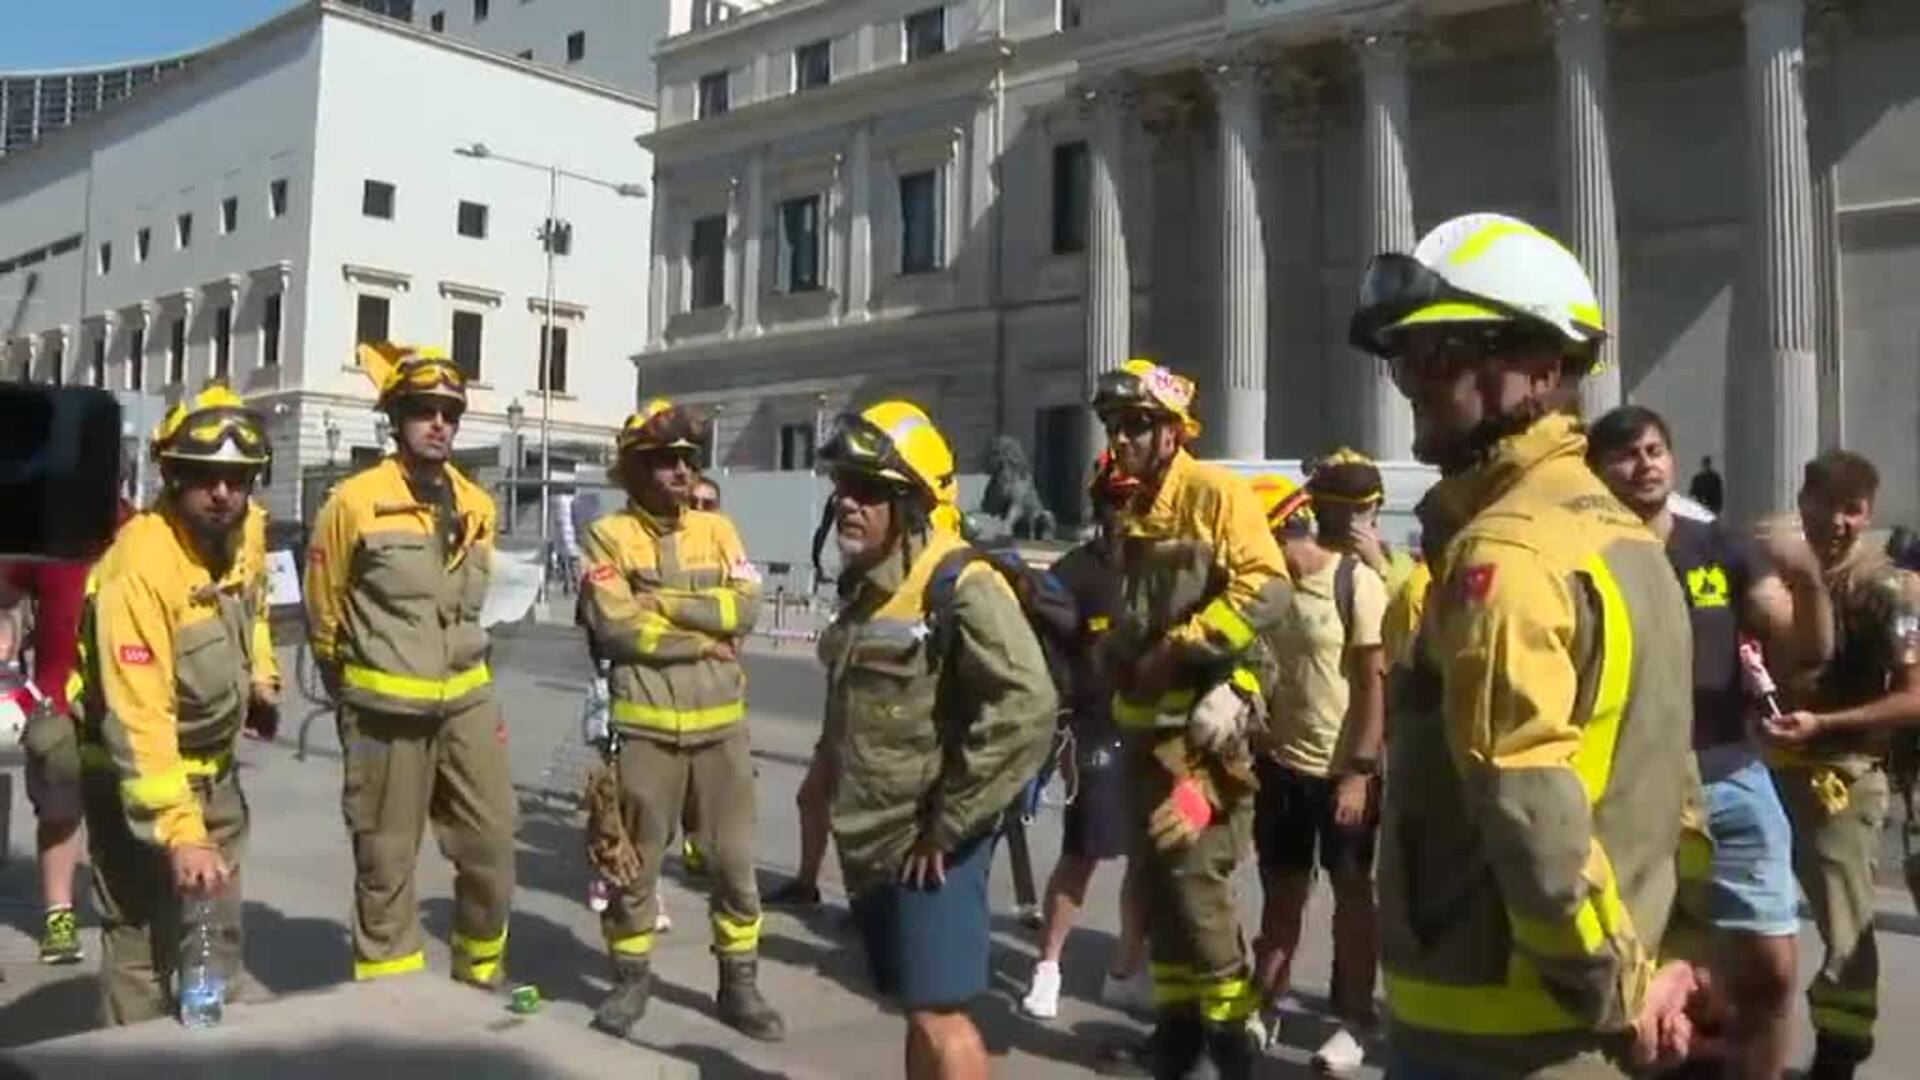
346, 1057
539, 951
288, 955
717, 1064
51, 1010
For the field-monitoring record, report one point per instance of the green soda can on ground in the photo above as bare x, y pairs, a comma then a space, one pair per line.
525, 1000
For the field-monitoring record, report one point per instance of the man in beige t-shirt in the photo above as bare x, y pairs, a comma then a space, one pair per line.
1319, 774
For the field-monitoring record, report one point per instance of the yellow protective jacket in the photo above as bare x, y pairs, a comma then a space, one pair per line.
928, 745
169, 658
399, 615
1539, 769
1199, 568
657, 596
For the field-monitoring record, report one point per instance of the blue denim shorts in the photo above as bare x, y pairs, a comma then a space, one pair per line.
1753, 888
930, 948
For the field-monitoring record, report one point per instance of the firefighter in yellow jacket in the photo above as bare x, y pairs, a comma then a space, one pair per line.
1202, 580
396, 575
174, 662
667, 596
1538, 768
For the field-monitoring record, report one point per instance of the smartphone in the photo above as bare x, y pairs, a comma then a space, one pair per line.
59, 471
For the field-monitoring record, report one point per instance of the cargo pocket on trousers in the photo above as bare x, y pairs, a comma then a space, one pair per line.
364, 770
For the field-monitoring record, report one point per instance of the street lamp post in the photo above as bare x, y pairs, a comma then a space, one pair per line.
516, 413
549, 230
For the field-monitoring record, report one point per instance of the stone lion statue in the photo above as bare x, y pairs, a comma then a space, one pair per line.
1011, 507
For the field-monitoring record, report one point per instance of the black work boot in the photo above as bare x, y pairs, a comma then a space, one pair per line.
1834, 1059
1178, 1045
1234, 1048
740, 1004
627, 1003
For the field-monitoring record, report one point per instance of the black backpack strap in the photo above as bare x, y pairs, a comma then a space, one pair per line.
938, 598
1343, 594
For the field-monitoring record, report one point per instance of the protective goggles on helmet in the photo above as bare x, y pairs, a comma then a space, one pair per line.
856, 444
1122, 391
226, 434
1395, 287
432, 376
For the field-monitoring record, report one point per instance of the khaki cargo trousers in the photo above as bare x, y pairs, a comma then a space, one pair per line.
1835, 855
401, 772
658, 780
142, 925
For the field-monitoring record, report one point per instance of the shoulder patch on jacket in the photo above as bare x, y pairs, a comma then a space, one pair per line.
136, 655
1476, 583
602, 572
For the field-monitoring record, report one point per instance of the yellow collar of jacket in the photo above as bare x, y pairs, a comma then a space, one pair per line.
1456, 499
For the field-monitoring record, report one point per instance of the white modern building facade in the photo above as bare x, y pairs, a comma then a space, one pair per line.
326, 178
981, 204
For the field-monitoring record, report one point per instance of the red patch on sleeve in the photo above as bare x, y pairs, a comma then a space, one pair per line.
317, 556
603, 572
1476, 582
138, 655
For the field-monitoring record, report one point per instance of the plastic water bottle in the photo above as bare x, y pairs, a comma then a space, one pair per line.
203, 987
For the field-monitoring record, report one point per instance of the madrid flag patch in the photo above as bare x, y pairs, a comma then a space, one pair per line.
1476, 583
136, 655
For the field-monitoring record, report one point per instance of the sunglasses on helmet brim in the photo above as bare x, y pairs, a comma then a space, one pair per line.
1393, 288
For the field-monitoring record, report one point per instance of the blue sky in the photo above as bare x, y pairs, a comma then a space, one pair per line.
70, 33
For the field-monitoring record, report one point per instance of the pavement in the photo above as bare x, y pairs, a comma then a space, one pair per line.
298, 881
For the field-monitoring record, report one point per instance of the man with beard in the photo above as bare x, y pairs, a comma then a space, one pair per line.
1831, 768
170, 654
1732, 590
1538, 775
395, 580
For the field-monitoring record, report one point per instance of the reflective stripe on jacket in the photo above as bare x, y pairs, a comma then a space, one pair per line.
657, 596
927, 745
170, 660
1539, 767
396, 612
1201, 570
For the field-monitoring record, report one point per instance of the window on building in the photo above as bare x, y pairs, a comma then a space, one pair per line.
142, 243
370, 319
437, 22
376, 199
229, 214
555, 369
1071, 14
926, 33
800, 244
1070, 178
277, 199
57, 356
481, 9
813, 65
796, 447
707, 261
97, 368
472, 220
106, 259
177, 351
183, 231
270, 331
713, 95
137, 358
467, 326
576, 46
921, 216
222, 342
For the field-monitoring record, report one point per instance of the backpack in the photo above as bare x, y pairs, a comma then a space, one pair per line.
1343, 593
1051, 613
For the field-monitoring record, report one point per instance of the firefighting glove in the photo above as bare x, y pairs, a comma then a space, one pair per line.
1219, 721
263, 713
610, 849
1831, 789
1180, 819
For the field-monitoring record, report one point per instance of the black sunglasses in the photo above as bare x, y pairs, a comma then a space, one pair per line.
425, 410
864, 488
1132, 423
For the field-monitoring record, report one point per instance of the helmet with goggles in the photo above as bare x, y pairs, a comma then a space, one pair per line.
662, 425
1486, 274
402, 372
896, 442
1282, 500
1346, 477
1144, 386
215, 426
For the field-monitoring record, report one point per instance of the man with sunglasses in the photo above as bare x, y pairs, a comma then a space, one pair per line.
1541, 804
172, 647
1202, 579
395, 578
667, 596
937, 715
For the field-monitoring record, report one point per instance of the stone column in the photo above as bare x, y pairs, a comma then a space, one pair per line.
1827, 26
1592, 228
659, 263
1243, 252
1782, 412
1386, 423
753, 227
1109, 295
859, 245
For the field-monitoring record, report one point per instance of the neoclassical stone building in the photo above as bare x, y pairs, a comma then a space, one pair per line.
981, 204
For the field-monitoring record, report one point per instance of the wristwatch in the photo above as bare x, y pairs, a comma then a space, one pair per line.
1362, 767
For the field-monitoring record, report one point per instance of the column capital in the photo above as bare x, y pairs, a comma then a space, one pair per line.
1572, 14
1170, 113
1829, 22
1385, 37
1296, 101
1109, 92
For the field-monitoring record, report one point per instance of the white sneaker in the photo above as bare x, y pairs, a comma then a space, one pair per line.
663, 922
1340, 1054
1132, 994
1043, 995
